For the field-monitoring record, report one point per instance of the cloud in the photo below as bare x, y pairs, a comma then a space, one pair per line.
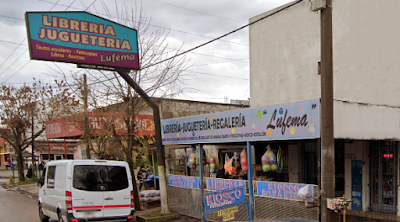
190, 23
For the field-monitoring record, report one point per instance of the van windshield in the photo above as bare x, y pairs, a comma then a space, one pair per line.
99, 178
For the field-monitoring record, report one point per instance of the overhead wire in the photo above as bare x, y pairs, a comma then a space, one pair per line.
28, 49
156, 26
177, 6
213, 40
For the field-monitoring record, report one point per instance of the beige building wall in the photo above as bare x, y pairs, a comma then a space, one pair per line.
284, 56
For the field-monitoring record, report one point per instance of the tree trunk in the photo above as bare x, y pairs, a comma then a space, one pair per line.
20, 163
135, 189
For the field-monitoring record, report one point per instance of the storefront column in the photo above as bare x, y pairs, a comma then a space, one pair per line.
200, 147
250, 181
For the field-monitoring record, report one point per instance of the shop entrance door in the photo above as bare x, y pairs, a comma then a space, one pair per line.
383, 178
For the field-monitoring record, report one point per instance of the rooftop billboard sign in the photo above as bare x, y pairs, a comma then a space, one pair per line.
81, 38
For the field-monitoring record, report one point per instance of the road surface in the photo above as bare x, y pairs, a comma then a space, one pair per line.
17, 207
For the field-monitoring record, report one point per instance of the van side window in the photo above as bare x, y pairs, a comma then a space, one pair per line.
51, 171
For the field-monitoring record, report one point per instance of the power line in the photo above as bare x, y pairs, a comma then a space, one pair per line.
14, 60
195, 11
175, 30
90, 5
5, 16
26, 49
54, 5
222, 36
202, 54
15, 43
231, 77
17, 71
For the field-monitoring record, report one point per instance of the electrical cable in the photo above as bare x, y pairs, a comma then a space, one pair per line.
195, 11
156, 26
222, 36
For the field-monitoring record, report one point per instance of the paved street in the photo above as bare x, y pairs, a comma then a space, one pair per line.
17, 207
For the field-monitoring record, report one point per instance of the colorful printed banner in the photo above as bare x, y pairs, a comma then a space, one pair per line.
224, 199
81, 38
298, 120
222, 184
282, 190
184, 181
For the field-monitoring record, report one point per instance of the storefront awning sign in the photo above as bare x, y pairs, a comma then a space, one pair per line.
299, 120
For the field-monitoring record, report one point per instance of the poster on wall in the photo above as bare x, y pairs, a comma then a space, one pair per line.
223, 184
81, 38
287, 191
225, 202
184, 181
356, 184
299, 120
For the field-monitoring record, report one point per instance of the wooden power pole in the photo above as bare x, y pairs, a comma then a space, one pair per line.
86, 126
327, 137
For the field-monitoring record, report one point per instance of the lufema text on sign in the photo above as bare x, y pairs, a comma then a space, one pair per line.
79, 38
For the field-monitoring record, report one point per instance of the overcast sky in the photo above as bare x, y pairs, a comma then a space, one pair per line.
220, 69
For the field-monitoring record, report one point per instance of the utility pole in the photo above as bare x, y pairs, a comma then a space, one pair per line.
160, 148
86, 126
33, 143
327, 137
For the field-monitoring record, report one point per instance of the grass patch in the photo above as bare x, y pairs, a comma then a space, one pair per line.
27, 181
156, 214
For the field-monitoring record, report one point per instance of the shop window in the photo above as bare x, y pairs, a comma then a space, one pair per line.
278, 176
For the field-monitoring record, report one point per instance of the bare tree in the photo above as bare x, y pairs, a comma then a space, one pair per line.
23, 105
163, 80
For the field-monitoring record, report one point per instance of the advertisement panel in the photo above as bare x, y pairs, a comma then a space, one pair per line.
282, 190
224, 199
98, 122
184, 181
81, 38
298, 120
223, 184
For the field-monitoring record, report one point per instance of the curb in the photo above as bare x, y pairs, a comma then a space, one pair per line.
19, 190
142, 218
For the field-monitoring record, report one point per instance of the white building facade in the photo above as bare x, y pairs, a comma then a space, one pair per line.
284, 56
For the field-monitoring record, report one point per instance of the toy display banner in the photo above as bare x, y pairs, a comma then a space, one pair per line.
222, 184
224, 199
299, 120
184, 181
81, 38
282, 190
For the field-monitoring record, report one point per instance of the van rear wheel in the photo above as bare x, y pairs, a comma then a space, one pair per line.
43, 218
60, 219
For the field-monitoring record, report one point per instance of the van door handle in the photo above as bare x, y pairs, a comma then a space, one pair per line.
44, 192
109, 198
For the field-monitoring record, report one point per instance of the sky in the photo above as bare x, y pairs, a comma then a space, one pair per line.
219, 73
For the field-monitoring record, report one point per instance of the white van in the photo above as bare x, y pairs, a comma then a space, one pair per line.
86, 190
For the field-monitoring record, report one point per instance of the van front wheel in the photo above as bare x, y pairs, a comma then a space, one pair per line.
43, 218
60, 219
